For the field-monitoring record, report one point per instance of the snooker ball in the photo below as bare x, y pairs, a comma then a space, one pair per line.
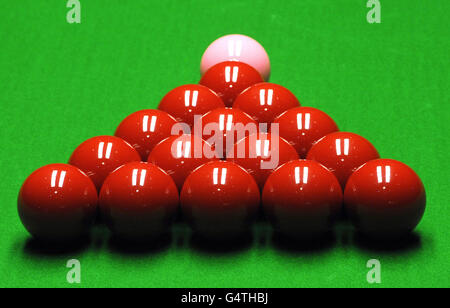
262, 153
237, 47
146, 128
301, 199
138, 201
223, 127
342, 153
385, 199
180, 155
265, 101
99, 156
186, 102
57, 203
303, 126
228, 79
219, 200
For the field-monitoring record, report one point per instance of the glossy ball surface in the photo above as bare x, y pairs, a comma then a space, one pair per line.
301, 199
260, 154
185, 102
223, 127
219, 200
303, 126
265, 101
144, 129
342, 153
99, 156
229, 79
385, 199
237, 47
180, 155
138, 201
57, 203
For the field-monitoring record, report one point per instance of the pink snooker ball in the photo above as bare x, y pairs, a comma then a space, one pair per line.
237, 47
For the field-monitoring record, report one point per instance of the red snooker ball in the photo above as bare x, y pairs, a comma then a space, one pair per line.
385, 199
185, 102
303, 126
223, 127
228, 79
219, 200
99, 156
301, 199
262, 153
342, 153
138, 201
265, 101
146, 128
57, 203
180, 155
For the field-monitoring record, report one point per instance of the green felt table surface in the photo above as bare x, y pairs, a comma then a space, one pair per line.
62, 83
